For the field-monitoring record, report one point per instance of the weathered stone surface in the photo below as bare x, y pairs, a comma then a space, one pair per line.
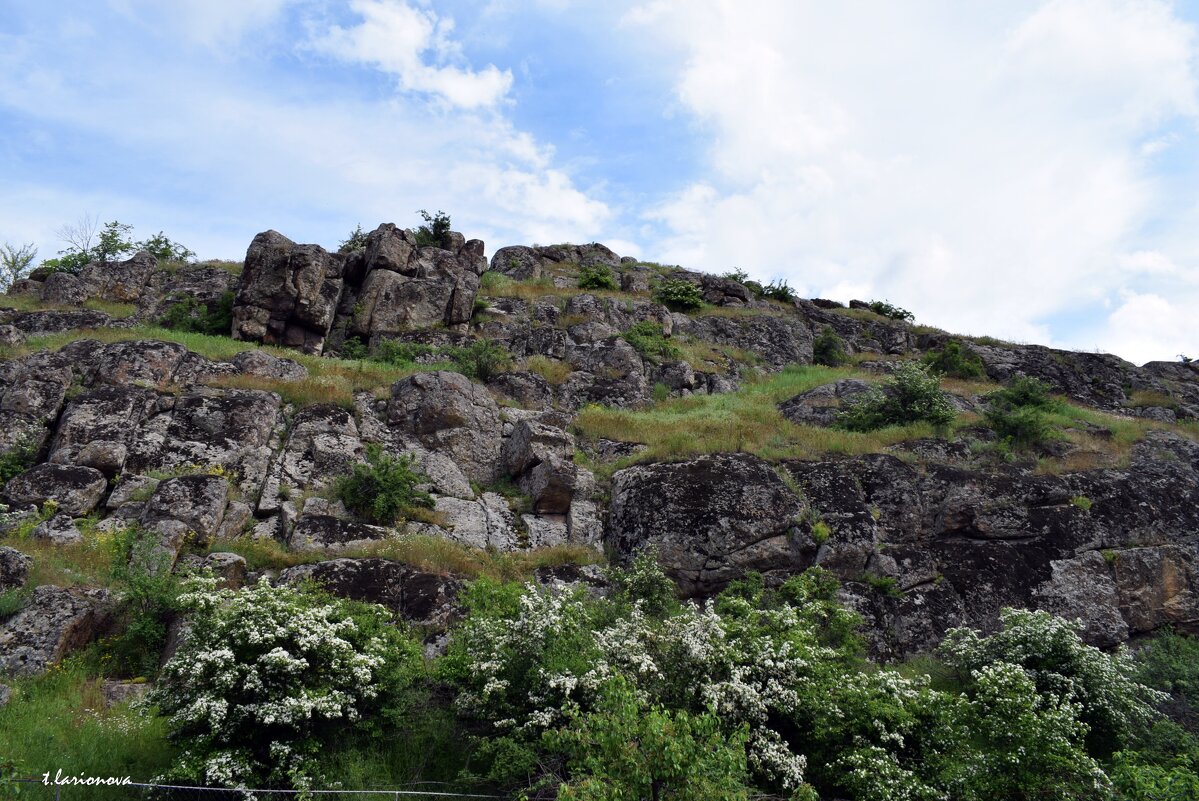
144, 362
48, 322
322, 445
521, 263
529, 390
106, 418
819, 406
55, 623
419, 597
483, 523
288, 293
777, 340
261, 363
59, 530
14, 568
325, 532
123, 692
197, 503
1082, 588
232, 429
445, 412
119, 281
76, 490
711, 519
532, 442
203, 284
131, 489
64, 289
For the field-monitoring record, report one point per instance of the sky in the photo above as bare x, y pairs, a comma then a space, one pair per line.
1026, 169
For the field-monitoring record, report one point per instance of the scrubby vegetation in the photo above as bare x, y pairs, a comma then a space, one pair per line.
647, 338
384, 489
911, 395
597, 276
679, 294
828, 349
189, 314
758, 693
955, 361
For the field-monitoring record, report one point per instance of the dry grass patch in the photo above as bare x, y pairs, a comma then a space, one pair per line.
28, 303
1142, 398
428, 553
743, 421
552, 370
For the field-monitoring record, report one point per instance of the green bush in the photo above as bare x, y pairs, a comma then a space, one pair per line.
647, 339
679, 294
955, 361
829, 349
17, 460
402, 354
436, 230
779, 290
354, 348
355, 241
165, 250
910, 395
191, 315
481, 359
15, 262
1017, 413
270, 677
148, 593
597, 276
384, 489
885, 309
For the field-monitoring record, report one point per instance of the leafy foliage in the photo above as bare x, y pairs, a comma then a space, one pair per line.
829, 349
355, 241
910, 395
597, 276
17, 460
481, 359
647, 338
779, 290
148, 591
954, 360
113, 241
15, 262
679, 294
193, 315
165, 249
1017, 413
384, 489
269, 675
885, 309
435, 232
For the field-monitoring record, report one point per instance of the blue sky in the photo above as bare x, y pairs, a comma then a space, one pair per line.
1020, 168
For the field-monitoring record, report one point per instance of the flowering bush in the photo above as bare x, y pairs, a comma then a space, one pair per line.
269, 674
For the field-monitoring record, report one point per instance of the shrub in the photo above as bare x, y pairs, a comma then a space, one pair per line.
597, 276
436, 230
481, 359
736, 274
15, 262
779, 290
679, 294
113, 242
1064, 669
354, 348
1017, 413
911, 395
165, 250
148, 593
955, 361
191, 315
885, 309
269, 676
355, 241
384, 489
829, 349
402, 354
628, 748
17, 459
647, 339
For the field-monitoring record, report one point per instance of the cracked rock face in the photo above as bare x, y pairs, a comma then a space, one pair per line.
712, 519
76, 490
419, 597
55, 622
445, 412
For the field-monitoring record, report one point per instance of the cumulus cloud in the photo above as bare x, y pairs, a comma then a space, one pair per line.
983, 166
1149, 327
396, 38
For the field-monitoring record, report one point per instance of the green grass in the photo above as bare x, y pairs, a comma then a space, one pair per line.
87, 563
57, 721
744, 421
28, 303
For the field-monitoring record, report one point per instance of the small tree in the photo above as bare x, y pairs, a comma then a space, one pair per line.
164, 249
436, 230
829, 349
114, 241
15, 262
355, 241
269, 676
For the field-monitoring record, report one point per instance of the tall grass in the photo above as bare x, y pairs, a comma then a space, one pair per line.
58, 721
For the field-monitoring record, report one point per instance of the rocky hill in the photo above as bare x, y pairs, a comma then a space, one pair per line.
564, 406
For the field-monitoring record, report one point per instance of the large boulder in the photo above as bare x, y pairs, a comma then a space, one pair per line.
819, 406
76, 490
711, 519
55, 623
14, 568
522, 263
445, 412
323, 444
100, 426
187, 507
120, 281
417, 596
288, 293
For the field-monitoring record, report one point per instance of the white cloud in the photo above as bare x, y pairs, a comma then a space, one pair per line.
979, 164
1147, 327
396, 38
